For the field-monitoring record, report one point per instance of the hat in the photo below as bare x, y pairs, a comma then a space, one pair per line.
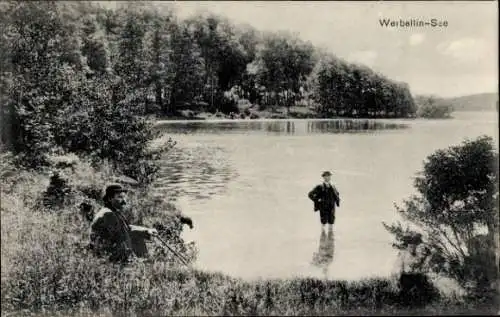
113, 189
326, 173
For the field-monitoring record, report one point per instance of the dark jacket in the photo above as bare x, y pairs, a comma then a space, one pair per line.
324, 197
112, 235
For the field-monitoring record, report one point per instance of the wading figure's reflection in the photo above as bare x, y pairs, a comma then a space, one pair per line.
324, 256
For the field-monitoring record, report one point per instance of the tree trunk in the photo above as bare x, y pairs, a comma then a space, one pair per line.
159, 97
170, 105
494, 233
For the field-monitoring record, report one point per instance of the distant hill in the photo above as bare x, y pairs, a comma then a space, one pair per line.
477, 102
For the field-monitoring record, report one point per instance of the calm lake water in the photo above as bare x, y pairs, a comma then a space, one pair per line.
245, 185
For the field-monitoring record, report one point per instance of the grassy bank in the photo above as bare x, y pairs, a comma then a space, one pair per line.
46, 269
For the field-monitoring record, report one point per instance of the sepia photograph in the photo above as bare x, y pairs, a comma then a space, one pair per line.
248, 158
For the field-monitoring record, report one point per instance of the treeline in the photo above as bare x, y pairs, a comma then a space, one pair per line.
344, 89
145, 54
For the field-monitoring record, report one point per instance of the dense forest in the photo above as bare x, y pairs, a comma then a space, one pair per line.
146, 56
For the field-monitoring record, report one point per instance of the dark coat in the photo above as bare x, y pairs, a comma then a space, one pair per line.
112, 235
324, 197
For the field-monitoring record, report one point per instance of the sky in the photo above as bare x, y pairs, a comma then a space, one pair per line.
459, 59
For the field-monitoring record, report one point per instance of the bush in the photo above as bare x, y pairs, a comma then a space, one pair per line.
56, 192
102, 130
111, 131
458, 199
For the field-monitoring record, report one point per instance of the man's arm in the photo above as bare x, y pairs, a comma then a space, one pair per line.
187, 221
313, 194
146, 233
337, 196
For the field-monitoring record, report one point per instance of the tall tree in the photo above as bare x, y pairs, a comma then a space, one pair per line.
43, 54
158, 50
131, 63
286, 62
188, 68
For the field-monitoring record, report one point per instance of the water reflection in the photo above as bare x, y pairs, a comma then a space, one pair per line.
281, 126
350, 126
324, 256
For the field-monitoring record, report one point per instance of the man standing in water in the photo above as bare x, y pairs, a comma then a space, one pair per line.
325, 197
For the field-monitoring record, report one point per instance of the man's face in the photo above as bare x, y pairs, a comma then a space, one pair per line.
327, 178
119, 201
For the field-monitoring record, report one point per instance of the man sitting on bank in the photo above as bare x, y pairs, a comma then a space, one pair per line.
111, 234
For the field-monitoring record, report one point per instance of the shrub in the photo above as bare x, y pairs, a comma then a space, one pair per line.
56, 192
111, 131
458, 198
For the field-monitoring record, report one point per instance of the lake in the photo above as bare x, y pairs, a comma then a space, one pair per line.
245, 185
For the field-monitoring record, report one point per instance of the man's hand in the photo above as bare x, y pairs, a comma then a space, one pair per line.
187, 221
152, 232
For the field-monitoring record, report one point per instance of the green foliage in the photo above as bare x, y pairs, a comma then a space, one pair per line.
42, 52
433, 107
343, 89
188, 69
62, 94
457, 202
110, 131
282, 66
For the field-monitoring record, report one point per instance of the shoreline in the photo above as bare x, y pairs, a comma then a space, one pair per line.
183, 120
223, 120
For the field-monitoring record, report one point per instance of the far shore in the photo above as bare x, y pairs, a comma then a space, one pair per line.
206, 118
223, 120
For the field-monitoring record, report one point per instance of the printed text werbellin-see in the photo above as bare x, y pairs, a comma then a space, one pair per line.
386, 22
